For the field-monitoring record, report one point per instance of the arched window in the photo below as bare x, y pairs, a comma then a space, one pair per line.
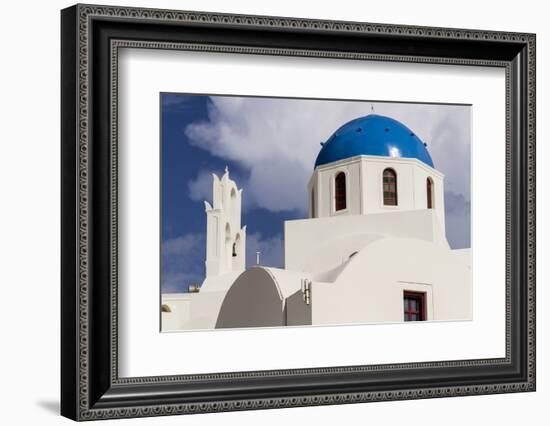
389, 179
430, 193
340, 191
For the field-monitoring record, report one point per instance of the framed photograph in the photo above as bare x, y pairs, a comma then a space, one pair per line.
263, 212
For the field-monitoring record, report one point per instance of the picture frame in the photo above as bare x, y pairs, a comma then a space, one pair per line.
90, 384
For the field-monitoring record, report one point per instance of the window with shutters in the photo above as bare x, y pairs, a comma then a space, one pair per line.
414, 305
389, 183
340, 192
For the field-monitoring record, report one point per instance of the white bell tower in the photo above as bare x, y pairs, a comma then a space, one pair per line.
225, 239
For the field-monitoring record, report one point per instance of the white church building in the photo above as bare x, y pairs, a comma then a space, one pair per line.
373, 248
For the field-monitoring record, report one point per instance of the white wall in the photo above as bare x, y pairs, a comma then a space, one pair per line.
317, 245
29, 217
179, 314
370, 288
364, 187
323, 183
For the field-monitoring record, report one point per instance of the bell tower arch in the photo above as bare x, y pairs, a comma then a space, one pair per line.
225, 238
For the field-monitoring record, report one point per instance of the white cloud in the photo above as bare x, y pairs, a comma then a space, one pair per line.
271, 250
457, 220
183, 258
182, 262
200, 188
276, 142
183, 245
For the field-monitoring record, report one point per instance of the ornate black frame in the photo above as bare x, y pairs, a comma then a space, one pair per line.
91, 37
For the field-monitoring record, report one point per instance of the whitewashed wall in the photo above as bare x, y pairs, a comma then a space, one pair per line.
364, 190
370, 288
321, 244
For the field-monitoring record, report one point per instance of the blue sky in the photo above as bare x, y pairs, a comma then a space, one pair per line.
186, 182
270, 146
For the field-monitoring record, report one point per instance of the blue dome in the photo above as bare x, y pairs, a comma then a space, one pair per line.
373, 135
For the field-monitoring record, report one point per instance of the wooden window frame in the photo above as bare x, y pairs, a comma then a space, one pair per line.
387, 199
430, 193
340, 192
418, 295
